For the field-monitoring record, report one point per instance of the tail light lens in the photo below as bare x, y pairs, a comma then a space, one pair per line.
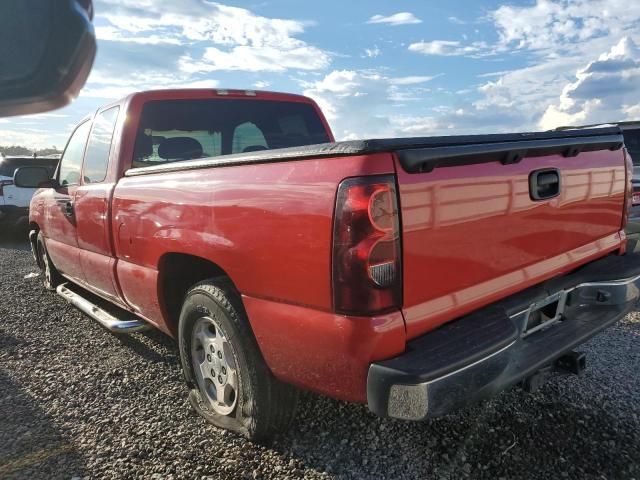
3, 183
628, 198
366, 247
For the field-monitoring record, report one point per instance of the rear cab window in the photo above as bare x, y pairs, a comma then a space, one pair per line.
175, 130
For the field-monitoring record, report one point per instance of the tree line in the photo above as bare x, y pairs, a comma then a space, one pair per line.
20, 151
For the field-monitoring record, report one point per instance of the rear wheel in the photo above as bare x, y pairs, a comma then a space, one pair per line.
51, 278
231, 386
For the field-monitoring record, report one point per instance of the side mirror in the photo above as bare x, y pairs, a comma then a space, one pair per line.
51, 183
31, 177
47, 49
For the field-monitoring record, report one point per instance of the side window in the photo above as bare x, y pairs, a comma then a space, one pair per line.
72, 157
247, 137
96, 159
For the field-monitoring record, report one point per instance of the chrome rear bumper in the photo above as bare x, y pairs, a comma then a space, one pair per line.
477, 356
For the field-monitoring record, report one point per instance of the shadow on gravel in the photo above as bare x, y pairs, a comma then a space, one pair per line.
516, 436
14, 240
30, 444
9, 343
145, 345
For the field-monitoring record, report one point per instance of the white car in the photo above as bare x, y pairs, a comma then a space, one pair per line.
14, 201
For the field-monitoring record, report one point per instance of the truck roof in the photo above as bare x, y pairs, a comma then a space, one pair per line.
193, 93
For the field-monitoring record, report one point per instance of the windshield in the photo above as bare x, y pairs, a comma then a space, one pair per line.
175, 130
8, 165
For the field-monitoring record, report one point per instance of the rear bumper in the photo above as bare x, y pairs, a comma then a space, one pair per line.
477, 356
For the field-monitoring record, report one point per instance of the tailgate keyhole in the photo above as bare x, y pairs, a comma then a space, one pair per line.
544, 184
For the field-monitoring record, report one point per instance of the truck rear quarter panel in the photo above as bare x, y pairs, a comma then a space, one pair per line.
268, 226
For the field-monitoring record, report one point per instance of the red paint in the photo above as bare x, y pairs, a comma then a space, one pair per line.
323, 351
269, 229
470, 235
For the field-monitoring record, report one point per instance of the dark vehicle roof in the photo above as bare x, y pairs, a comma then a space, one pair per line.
8, 165
629, 125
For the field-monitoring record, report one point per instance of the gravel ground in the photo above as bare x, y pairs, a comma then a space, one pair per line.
77, 401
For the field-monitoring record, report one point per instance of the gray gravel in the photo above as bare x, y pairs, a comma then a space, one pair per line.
77, 401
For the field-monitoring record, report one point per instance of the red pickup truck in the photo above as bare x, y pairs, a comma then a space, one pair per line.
416, 275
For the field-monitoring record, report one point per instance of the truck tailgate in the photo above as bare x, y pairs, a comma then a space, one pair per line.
474, 231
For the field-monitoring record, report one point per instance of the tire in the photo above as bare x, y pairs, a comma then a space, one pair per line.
51, 278
213, 324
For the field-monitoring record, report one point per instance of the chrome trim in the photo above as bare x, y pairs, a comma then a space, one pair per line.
560, 297
610, 292
607, 283
583, 294
101, 316
606, 293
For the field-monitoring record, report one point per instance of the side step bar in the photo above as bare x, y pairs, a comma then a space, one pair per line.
100, 315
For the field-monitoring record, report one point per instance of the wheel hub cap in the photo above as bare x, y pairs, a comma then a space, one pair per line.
214, 363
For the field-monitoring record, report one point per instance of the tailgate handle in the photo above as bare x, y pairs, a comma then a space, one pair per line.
544, 184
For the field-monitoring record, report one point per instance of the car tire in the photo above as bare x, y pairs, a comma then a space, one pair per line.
51, 278
230, 383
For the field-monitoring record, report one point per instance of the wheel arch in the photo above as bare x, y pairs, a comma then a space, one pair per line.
177, 273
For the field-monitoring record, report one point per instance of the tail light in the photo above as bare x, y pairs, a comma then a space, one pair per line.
3, 183
366, 247
628, 198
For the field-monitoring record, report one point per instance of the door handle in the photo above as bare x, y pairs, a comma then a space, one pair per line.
544, 184
68, 209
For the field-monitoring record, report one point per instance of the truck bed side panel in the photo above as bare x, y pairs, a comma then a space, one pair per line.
472, 234
268, 226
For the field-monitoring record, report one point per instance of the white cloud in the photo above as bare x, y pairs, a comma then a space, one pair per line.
556, 39
262, 84
110, 33
372, 52
553, 25
606, 90
32, 138
456, 20
104, 86
355, 103
250, 59
231, 38
401, 18
362, 104
411, 80
632, 112
449, 48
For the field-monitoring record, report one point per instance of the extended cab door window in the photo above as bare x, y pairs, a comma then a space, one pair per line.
71, 162
96, 159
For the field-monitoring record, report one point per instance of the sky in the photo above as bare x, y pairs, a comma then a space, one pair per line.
377, 68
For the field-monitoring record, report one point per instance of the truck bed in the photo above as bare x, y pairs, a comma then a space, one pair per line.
471, 233
424, 153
